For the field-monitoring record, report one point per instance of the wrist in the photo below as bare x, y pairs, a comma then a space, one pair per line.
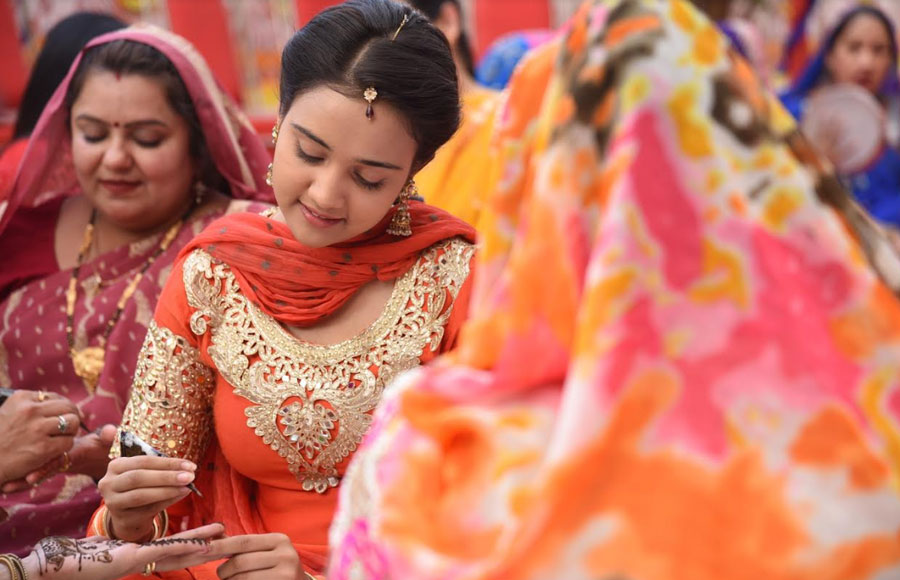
154, 530
32, 564
15, 568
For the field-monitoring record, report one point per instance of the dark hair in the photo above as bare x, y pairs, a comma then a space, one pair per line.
853, 15
432, 9
350, 47
132, 57
62, 44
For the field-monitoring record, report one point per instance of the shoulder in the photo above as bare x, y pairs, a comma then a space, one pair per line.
448, 262
201, 271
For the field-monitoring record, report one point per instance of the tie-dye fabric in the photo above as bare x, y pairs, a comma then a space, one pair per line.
683, 354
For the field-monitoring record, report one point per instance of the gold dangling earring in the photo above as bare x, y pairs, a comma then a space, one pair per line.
199, 193
401, 223
274, 142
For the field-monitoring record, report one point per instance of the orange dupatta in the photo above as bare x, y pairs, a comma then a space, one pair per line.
299, 285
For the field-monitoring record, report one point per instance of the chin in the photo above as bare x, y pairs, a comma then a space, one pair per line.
135, 220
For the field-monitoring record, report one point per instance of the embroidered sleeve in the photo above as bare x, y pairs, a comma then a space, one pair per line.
171, 397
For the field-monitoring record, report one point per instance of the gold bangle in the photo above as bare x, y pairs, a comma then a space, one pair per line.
149, 569
15, 566
21, 566
67, 463
160, 525
4, 559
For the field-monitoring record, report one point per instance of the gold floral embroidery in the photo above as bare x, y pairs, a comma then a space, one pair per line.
171, 397
311, 403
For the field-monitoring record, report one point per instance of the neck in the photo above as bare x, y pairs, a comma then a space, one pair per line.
109, 235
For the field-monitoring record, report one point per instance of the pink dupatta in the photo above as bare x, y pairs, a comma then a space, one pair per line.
682, 360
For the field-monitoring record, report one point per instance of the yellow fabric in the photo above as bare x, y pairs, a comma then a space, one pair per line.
455, 179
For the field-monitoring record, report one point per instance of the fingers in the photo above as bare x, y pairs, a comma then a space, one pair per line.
107, 434
69, 424
15, 486
245, 563
45, 471
145, 484
148, 462
207, 532
243, 544
147, 499
254, 553
148, 478
172, 554
58, 406
193, 549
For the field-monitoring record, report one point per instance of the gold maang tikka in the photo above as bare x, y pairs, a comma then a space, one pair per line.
370, 94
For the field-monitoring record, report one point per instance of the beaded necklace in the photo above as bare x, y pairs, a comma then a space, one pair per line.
89, 361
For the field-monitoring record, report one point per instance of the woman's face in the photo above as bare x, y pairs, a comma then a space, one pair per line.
861, 54
131, 150
337, 173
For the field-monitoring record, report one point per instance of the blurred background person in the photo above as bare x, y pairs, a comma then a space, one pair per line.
454, 180
503, 55
853, 80
136, 152
62, 44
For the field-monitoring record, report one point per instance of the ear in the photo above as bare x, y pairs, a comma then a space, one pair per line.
449, 21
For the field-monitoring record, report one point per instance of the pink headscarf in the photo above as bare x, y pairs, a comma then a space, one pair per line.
46, 170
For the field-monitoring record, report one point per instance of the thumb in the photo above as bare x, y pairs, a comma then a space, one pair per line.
107, 434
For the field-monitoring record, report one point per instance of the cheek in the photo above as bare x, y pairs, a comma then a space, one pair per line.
844, 66
85, 158
371, 206
170, 162
290, 179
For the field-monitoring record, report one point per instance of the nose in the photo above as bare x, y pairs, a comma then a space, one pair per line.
325, 190
117, 157
867, 59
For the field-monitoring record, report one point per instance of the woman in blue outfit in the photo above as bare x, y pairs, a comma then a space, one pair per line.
862, 49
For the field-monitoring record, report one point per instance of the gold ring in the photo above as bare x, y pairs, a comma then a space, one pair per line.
62, 424
67, 463
42, 396
149, 569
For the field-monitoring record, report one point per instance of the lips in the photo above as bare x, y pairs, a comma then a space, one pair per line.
119, 186
318, 219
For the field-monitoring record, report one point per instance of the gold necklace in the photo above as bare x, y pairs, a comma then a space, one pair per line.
88, 362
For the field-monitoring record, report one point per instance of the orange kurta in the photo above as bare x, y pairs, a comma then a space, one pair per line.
271, 420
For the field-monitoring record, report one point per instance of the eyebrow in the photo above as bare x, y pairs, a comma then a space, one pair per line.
369, 162
129, 125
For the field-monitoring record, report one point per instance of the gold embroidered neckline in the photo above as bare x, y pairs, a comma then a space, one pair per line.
311, 403
378, 328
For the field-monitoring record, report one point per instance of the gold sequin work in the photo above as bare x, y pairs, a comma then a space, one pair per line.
311, 403
171, 397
